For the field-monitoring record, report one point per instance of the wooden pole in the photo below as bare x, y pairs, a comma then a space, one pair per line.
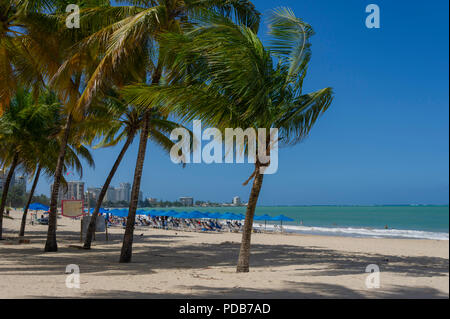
106, 228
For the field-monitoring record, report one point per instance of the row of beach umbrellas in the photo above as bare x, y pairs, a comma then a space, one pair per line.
197, 215
171, 213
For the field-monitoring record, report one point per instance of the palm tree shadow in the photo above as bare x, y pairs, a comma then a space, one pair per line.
169, 252
293, 291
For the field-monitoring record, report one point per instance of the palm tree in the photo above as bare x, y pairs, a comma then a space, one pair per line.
226, 77
16, 132
12, 32
131, 45
29, 135
125, 123
33, 43
51, 44
41, 155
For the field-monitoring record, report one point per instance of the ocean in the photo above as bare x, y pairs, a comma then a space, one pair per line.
419, 222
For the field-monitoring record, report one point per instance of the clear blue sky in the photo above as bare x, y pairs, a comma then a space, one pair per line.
383, 141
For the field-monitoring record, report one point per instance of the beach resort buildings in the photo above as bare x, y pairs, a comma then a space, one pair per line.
15, 181
236, 201
74, 191
114, 194
187, 201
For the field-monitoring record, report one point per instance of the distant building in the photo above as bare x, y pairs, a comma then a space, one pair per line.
236, 201
187, 201
152, 201
21, 181
111, 195
3, 176
74, 191
141, 197
94, 192
124, 192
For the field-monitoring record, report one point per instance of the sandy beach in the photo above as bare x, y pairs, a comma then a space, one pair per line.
174, 264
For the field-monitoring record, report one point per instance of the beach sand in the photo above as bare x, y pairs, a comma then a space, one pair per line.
175, 264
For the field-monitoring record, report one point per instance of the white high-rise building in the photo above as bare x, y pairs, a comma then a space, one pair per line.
3, 176
114, 194
74, 191
21, 181
236, 201
187, 201
111, 195
124, 192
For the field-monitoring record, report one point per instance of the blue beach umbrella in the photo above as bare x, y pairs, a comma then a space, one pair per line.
38, 206
152, 213
265, 218
183, 215
141, 212
101, 210
197, 214
281, 218
215, 215
119, 212
170, 213
230, 216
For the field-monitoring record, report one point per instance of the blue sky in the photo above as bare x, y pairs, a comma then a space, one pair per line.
384, 139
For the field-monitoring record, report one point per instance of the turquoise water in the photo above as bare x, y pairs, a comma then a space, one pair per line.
402, 221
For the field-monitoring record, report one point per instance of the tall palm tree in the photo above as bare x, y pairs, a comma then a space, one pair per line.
229, 79
135, 39
123, 125
33, 44
51, 44
40, 156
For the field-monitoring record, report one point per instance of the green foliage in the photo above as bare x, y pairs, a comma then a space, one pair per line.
223, 75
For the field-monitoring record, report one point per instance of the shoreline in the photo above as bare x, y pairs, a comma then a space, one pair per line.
175, 264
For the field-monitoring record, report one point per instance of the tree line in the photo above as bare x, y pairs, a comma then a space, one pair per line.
136, 71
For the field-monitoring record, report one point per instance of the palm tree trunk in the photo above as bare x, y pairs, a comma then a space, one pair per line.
244, 253
30, 198
5, 191
101, 196
127, 245
51, 244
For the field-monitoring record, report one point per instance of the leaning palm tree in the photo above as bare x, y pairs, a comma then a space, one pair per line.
123, 125
230, 80
130, 45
